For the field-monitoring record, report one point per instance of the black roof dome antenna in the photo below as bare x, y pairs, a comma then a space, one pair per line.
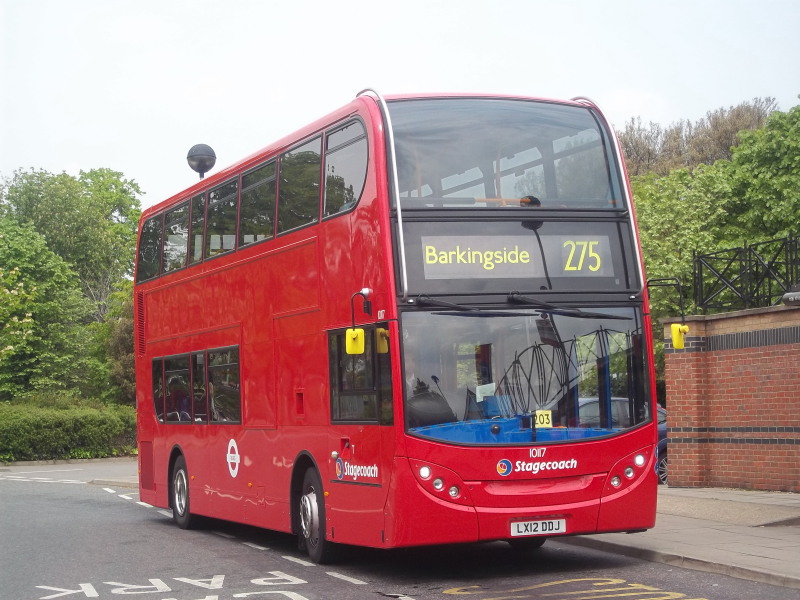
201, 158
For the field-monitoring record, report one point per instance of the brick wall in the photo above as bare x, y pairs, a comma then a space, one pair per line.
733, 401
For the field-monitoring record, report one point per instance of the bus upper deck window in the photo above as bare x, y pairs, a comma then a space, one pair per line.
345, 168
298, 201
150, 240
221, 218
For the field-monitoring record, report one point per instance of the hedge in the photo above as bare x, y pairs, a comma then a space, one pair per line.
34, 433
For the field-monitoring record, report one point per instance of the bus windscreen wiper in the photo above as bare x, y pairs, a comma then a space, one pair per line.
517, 298
423, 300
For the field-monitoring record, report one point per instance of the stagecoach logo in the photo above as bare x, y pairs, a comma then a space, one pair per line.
345, 469
233, 458
505, 467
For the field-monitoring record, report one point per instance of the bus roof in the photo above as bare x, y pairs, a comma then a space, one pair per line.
341, 113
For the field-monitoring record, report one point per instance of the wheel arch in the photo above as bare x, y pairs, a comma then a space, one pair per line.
173, 457
302, 463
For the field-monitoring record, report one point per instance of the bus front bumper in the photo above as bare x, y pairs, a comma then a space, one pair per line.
433, 512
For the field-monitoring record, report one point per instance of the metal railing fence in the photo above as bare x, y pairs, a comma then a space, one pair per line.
755, 275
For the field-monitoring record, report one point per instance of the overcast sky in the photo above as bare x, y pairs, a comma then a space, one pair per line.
132, 84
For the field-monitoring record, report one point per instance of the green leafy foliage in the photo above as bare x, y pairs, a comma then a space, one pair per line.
56, 429
753, 197
89, 221
16, 323
113, 349
50, 350
678, 214
766, 178
62, 305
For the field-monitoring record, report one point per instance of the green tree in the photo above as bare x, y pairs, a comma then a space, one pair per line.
16, 322
114, 349
683, 144
89, 221
754, 196
678, 214
51, 351
766, 179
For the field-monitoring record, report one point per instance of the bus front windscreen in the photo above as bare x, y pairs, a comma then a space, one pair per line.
485, 153
508, 377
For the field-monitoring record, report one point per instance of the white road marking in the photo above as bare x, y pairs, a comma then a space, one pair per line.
299, 561
39, 479
255, 546
293, 559
346, 578
48, 471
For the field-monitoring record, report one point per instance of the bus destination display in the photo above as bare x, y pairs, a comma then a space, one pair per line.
503, 257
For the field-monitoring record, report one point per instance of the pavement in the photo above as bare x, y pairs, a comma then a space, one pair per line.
746, 534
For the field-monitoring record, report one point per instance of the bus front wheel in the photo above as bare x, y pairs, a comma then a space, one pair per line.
312, 519
179, 495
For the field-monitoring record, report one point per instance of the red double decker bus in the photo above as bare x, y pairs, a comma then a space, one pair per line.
419, 320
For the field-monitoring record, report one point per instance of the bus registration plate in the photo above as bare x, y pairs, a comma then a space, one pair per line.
546, 527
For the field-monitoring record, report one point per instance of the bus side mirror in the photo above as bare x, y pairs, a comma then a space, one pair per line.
678, 333
354, 341
382, 340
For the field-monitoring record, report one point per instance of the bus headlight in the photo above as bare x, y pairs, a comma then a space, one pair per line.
440, 482
630, 471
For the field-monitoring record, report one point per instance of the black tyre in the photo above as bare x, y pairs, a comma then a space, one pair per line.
311, 512
527, 544
662, 469
179, 495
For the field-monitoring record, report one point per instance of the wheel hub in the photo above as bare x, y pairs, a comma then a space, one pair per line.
180, 492
309, 514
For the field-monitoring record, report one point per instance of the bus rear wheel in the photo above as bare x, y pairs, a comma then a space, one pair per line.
179, 495
311, 511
